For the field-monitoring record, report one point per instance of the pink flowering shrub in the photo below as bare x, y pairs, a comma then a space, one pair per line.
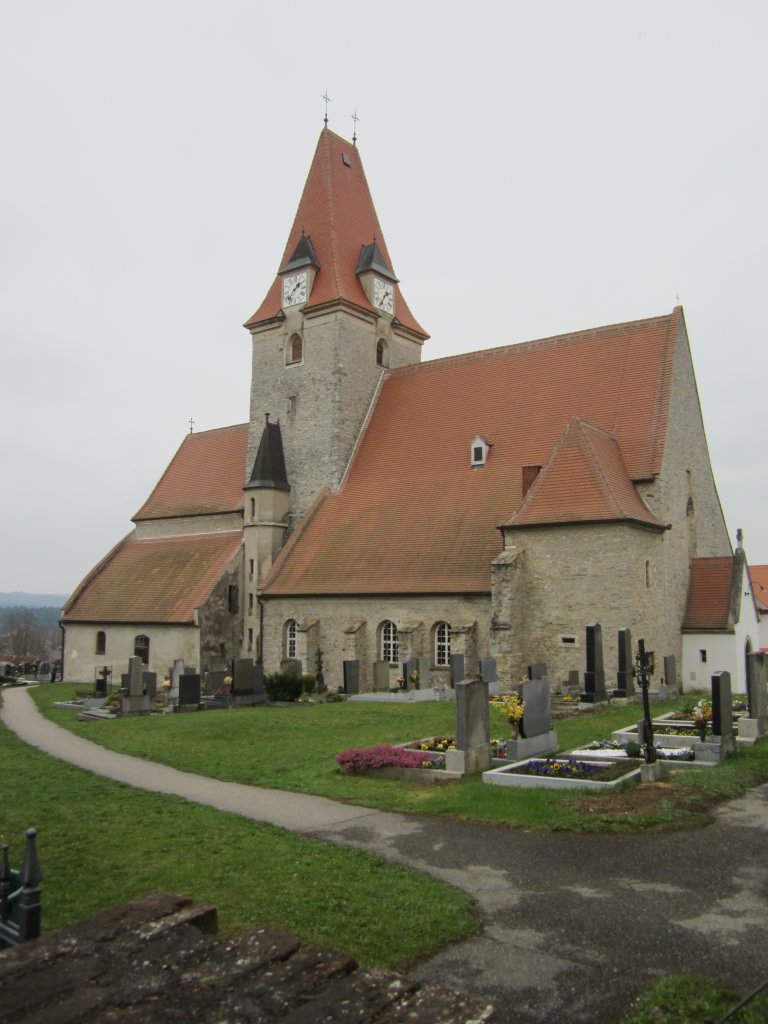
364, 759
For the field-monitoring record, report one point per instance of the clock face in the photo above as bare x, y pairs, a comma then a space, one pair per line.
295, 289
383, 295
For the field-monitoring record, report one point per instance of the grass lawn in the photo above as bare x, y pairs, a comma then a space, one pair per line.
685, 999
294, 748
101, 843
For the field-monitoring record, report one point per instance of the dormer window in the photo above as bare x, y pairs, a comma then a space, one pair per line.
478, 452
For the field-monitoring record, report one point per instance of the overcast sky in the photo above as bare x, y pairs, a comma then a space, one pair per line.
537, 167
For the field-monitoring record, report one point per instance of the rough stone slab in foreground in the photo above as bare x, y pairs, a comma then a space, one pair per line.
157, 960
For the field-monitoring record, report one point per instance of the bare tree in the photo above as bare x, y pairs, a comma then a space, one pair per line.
24, 634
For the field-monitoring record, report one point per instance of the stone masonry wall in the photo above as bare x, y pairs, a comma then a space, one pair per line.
349, 626
322, 401
166, 643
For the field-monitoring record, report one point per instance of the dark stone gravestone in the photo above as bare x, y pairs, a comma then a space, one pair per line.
537, 716
411, 674
756, 692
189, 689
351, 670
214, 681
538, 671
594, 677
259, 693
625, 677
242, 680
723, 742
722, 705
457, 669
488, 670
149, 680
670, 676
381, 676
473, 753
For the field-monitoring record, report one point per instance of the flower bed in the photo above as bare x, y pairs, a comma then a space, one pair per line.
613, 749
564, 773
365, 759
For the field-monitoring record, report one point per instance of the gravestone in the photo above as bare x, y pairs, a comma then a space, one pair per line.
755, 724
489, 674
291, 667
723, 743
594, 677
536, 733
214, 681
668, 689
410, 667
242, 680
381, 676
574, 682
178, 669
351, 670
457, 669
473, 748
625, 677
133, 701
149, 680
538, 671
259, 693
424, 673
189, 690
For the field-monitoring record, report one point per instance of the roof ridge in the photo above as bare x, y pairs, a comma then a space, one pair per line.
596, 462
534, 344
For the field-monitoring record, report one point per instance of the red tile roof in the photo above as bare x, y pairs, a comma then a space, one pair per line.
153, 580
709, 593
413, 516
759, 576
205, 476
337, 212
584, 481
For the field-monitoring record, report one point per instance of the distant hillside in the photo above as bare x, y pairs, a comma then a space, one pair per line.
17, 599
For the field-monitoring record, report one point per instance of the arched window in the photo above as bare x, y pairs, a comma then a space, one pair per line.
291, 627
389, 645
442, 644
141, 648
294, 352
101, 642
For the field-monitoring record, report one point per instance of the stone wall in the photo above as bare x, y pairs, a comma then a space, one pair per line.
321, 402
182, 526
347, 628
221, 630
166, 642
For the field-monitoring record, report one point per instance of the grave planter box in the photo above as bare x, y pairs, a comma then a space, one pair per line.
425, 776
630, 733
511, 775
544, 743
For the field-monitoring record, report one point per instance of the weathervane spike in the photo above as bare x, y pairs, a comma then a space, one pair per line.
328, 100
355, 119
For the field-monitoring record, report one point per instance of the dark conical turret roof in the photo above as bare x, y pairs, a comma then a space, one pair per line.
269, 465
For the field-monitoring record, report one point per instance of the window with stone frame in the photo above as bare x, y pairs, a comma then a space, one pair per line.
141, 648
294, 351
382, 354
101, 642
442, 644
389, 642
291, 628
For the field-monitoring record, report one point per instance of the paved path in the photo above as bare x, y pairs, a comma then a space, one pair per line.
573, 925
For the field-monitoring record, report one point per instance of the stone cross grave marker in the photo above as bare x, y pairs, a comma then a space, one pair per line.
594, 677
351, 671
625, 684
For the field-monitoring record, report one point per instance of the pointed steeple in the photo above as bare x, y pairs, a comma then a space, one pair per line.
269, 464
335, 220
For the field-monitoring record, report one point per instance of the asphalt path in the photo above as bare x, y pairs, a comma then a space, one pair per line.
574, 926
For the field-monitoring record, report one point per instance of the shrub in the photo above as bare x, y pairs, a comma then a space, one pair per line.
353, 762
280, 686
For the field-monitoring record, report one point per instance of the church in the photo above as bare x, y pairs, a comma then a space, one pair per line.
378, 507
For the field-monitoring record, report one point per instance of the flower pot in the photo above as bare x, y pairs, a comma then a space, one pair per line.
514, 731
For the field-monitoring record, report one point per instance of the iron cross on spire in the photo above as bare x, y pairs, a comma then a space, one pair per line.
355, 119
328, 100
191, 425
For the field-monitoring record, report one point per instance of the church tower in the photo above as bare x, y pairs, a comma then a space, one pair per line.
332, 321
